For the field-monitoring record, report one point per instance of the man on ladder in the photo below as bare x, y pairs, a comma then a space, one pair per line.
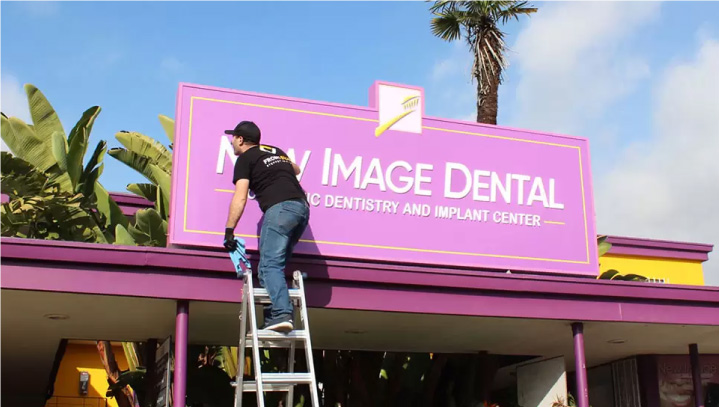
272, 177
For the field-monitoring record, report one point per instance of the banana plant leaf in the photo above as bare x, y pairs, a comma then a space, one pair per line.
147, 191
22, 141
608, 275
616, 275
82, 130
168, 125
131, 355
109, 208
123, 237
54, 217
603, 246
20, 178
633, 277
164, 183
149, 229
132, 378
133, 160
147, 147
59, 150
229, 359
93, 170
43, 115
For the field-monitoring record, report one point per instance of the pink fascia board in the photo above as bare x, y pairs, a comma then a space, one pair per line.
40, 253
367, 297
659, 248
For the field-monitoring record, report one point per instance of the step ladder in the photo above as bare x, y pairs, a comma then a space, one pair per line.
251, 337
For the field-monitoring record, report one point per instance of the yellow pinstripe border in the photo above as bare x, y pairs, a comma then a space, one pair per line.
187, 179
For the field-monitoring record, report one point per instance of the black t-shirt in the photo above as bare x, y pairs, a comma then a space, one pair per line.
272, 178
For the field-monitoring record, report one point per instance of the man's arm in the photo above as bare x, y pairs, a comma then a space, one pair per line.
286, 156
239, 200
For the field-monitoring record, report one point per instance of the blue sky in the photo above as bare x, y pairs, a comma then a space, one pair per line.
635, 78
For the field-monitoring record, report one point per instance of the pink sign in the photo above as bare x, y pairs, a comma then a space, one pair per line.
387, 183
676, 388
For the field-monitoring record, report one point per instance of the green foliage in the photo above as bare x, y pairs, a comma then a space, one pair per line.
149, 229
602, 248
145, 146
147, 191
154, 161
109, 208
168, 125
78, 143
39, 209
615, 275
162, 203
71, 204
477, 21
123, 237
133, 160
208, 380
23, 142
133, 378
43, 115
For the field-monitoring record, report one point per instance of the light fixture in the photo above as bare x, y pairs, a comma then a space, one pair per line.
616, 341
56, 317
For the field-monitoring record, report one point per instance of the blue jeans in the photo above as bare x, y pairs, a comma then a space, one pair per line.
282, 227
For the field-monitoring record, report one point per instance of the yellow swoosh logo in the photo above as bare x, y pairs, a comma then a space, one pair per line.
381, 129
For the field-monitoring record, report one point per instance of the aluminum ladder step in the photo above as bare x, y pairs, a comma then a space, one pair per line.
277, 381
262, 297
251, 386
286, 378
255, 339
276, 339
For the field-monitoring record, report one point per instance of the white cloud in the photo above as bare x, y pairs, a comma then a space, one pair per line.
41, 8
458, 62
13, 101
172, 65
668, 186
175, 70
573, 63
451, 92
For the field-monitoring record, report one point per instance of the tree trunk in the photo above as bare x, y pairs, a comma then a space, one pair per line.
487, 99
489, 74
123, 396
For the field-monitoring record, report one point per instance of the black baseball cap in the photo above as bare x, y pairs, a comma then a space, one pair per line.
248, 130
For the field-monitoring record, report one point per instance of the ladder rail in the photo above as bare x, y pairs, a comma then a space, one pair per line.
243, 344
255, 344
291, 369
297, 277
283, 382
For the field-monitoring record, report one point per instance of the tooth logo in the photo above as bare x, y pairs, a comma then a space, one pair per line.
400, 109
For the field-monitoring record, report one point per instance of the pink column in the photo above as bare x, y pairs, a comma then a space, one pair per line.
580, 365
180, 377
696, 375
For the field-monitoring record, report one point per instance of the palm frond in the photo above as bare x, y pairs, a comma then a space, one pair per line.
444, 6
515, 10
448, 26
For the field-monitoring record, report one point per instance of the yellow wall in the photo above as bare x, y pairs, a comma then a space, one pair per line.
85, 357
672, 271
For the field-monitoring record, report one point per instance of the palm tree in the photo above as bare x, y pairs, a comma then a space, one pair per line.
478, 22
